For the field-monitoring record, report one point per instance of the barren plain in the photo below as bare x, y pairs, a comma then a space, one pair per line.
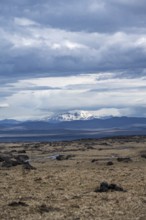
63, 180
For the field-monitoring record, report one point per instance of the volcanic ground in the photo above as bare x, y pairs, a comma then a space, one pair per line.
95, 179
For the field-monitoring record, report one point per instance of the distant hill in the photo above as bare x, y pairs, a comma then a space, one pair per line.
113, 122
73, 129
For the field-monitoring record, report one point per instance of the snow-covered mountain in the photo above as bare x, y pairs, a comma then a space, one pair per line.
72, 116
77, 115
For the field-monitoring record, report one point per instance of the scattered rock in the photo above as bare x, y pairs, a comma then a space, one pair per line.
110, 163
124, 159
13, 151
22, 158
28, 166
15, 204
4, 158
45, 208
1, 159
38, 179
105, 187
10, 161
21, 151
104, 143
36, 146
114, 187
64, 157
143, 156
88, 147
94, 160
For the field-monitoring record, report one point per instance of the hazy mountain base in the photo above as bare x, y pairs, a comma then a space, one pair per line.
64, 189
65, 135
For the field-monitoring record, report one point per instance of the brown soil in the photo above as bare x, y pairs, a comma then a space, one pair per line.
64, 189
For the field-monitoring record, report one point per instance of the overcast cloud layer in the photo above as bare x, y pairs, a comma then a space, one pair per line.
87, 41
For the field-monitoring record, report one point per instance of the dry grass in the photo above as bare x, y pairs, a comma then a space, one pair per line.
64, 190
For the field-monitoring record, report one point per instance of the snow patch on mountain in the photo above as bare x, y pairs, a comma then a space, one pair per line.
82, 115
72, 116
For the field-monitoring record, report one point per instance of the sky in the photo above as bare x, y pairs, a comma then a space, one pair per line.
66, 55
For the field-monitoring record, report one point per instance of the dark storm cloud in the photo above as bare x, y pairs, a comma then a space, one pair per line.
54, 38
90, 15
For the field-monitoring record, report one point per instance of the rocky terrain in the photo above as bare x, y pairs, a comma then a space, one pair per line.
95, 179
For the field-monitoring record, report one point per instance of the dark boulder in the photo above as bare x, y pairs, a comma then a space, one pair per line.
15, 204
8, 161
21, 158
124, 159
11, 161
110, 163
4, 158
94, 160
143, 156
28, 166
105, 187
21, 151
114, 187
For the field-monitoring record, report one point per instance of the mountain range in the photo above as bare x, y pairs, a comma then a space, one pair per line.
70, 125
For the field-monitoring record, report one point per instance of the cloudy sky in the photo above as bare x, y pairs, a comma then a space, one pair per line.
63, 55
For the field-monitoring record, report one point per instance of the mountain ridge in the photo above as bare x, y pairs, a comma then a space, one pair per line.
90, 122
68, 130
75, 116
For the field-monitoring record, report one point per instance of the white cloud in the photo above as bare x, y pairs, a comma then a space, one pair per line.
107, 112
63, 81
107, 95
24, 22
4, 105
